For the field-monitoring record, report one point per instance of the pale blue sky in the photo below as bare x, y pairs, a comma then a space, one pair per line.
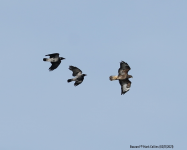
39, 110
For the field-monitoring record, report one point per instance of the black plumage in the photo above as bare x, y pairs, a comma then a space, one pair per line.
54, 59
77, 73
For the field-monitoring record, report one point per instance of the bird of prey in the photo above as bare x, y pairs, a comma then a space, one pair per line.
54, 59
77, 73
123, 77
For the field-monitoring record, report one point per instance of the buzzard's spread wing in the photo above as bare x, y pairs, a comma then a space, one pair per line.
124, 68
54, 55
125, 85
75, 70
54, 65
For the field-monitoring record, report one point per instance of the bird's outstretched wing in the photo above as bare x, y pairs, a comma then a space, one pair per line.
54, 55
54, 65
124, 68
77, 83
125, 85
75, 70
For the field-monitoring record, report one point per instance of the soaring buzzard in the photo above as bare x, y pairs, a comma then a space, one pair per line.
123, 77
54, 59
77, 73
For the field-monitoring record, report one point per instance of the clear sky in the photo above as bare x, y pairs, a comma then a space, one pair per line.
39, 110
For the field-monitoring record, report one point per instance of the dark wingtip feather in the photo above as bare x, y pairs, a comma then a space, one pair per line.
44, 59
50, 69
70, 67
122, 93
76, 84
122, 62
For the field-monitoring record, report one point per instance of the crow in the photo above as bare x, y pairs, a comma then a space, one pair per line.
54, 59
77, 73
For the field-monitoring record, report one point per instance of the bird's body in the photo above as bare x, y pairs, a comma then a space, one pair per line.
122, 72
79, 77
123, 77
51, 59
54, 59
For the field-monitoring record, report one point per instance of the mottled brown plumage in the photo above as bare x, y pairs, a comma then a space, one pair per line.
123, 77
122, 72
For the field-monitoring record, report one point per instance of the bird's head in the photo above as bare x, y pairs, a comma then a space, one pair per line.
61, 58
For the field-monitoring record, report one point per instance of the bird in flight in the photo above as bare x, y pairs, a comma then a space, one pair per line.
77, 73
123, 77
54, 59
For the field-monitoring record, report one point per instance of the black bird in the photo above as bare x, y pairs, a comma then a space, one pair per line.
77, 73
54, 59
